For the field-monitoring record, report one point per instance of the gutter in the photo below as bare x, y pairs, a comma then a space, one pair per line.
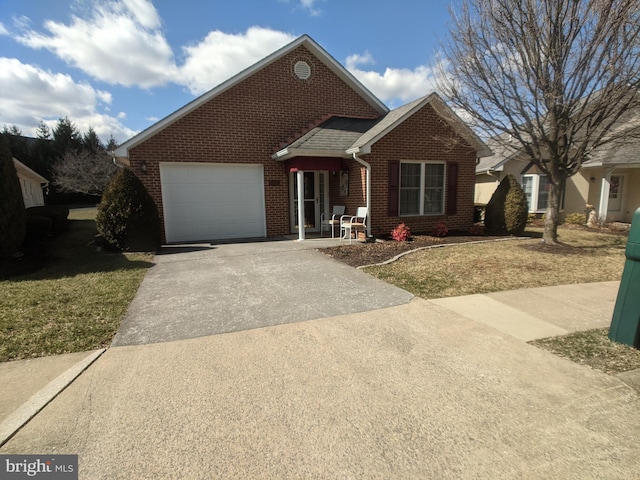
354, 153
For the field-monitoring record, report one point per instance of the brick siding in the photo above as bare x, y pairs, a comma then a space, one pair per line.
422, 137
248, 121
245, 123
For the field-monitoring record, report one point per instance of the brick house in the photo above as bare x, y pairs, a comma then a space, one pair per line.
226, 165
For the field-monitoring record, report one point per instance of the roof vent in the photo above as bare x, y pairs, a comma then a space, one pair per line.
302, 70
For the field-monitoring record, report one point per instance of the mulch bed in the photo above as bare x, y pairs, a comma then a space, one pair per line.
359, 254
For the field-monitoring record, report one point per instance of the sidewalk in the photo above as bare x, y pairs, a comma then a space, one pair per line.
442, 388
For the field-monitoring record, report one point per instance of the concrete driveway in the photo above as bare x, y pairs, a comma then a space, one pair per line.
200, 290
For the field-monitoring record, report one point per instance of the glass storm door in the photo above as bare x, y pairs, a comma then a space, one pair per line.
615, 193
315, 199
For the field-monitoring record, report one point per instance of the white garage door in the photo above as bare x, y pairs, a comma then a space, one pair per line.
212, 202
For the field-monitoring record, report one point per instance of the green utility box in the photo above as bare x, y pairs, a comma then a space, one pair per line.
625, 325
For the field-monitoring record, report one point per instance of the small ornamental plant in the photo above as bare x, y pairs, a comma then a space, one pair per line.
440, 230
401, 233
477, 229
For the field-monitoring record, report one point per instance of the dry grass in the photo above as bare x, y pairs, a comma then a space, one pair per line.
469, 269
593, 348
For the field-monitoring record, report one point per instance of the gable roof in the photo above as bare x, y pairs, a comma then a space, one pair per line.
306, 41
332, 138
27, 172
503, 152
394, 118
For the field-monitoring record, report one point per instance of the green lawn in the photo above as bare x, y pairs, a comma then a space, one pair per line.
75, 303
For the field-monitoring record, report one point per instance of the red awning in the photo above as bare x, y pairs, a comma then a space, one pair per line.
313, 163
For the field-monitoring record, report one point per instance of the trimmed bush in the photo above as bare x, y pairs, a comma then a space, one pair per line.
127, 216
12, 216
440, 230
401, 233
477, 229
507, 211
56, 213
575, 218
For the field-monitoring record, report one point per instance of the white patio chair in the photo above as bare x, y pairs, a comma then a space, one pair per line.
350, 225
333, 220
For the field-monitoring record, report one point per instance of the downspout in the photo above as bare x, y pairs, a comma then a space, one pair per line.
115, 160
368, 189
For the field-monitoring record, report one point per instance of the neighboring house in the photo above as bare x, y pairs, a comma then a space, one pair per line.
227, 165
31, 185
609, 181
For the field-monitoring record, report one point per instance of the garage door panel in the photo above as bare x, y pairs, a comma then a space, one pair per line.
212, 201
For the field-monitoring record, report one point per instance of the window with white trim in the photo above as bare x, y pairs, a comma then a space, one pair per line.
422, 188
536, 189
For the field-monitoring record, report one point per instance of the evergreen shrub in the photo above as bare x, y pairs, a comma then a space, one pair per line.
127, 216
12, 215
507, 211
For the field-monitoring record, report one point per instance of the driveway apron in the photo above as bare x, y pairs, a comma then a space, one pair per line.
195, 291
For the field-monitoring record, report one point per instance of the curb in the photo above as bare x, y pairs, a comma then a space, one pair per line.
439, 245
19, 418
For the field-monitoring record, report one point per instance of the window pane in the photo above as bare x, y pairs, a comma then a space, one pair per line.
410, 175
410, 188
527, 186
434, 175
543, 192
433, 200
409, 201
434, 188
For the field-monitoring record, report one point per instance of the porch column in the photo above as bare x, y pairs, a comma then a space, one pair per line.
603, 206
300, 175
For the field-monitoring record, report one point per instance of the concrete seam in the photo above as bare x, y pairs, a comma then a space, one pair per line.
21, 416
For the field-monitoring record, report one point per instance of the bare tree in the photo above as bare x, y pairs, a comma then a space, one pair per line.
558, 79
83, 172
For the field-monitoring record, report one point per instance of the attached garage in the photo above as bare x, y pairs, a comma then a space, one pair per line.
204, 201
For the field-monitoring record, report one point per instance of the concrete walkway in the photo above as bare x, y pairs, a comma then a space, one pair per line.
421, 389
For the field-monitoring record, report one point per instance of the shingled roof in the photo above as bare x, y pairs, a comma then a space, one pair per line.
343, 136
332, 137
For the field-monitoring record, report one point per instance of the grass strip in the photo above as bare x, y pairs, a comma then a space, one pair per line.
75, 302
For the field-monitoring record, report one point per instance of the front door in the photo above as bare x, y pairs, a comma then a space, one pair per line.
316, 198
616, 188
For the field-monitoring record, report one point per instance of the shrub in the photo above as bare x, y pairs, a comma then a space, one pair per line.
440, 230
401, 233
507, 211
12, 216
58, 215
477, 229
575, 218
37, 231
127, 217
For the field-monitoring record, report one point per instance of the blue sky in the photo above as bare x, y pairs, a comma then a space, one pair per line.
121, 65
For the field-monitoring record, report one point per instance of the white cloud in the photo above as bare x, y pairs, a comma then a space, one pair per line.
395, 85
309, 5
118, 43
221, 55
356, 59
29, 94
3, 29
